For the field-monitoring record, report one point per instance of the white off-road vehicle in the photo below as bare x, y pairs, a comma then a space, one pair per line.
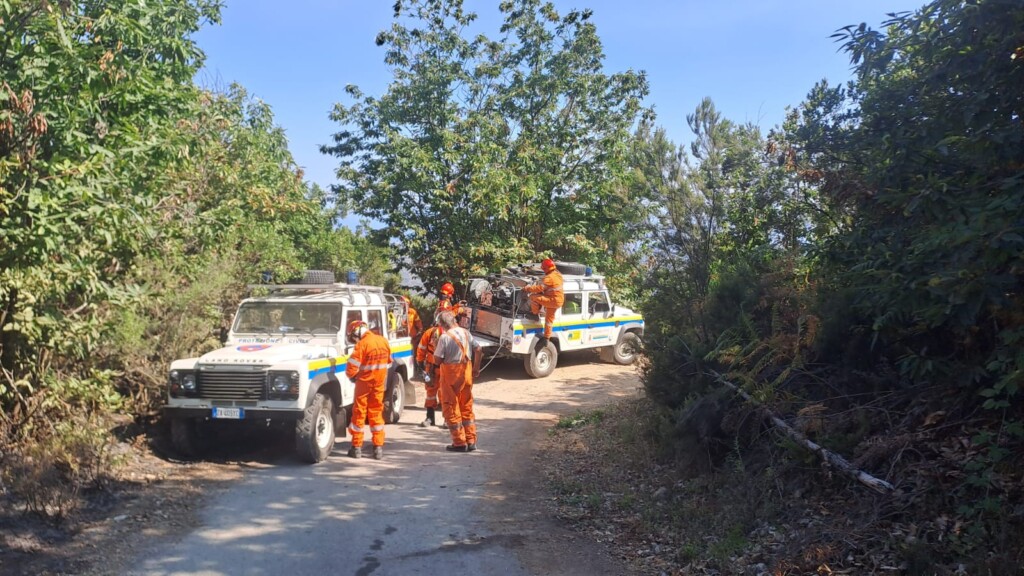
589, 319
284, 360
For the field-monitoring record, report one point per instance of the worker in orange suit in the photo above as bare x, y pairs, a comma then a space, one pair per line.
426, 363
415, 324
547, 295
368, 369
458, 357
444, 301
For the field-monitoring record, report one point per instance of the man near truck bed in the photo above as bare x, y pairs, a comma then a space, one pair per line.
457, 368
426, 363
548, 295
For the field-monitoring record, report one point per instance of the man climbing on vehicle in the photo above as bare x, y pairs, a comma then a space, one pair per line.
547, 295
368, 369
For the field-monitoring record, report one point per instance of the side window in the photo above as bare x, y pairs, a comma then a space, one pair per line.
350, 317
375, 320
598, 304
398, 319
573, 303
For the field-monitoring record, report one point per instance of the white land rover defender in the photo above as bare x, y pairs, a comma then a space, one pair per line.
284, 360
587, 320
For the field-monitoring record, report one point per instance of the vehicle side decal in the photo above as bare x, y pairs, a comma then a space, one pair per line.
338, 365
534, 328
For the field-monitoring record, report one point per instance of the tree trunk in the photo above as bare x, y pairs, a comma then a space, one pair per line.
828, 456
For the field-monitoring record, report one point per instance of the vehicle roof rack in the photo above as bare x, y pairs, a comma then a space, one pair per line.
348, 289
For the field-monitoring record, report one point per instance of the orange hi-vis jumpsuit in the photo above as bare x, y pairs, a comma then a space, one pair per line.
415, 324
425, 354
456, 371
548, 295
368, 368
444, 304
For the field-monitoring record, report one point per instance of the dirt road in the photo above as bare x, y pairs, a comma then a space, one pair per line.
420, 510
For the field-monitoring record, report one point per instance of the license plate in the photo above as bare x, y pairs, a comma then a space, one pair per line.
229, 413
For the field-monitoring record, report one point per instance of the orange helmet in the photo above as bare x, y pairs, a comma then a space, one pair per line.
406, 300
447, 289
354, 326
547, 265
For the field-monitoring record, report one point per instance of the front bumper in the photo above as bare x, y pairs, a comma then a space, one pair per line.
250, 413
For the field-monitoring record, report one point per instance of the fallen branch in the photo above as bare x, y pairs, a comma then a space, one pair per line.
828, 456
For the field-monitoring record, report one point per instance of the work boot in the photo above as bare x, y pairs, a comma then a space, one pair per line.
354, 452
471, 447
542, 341
454, 448
532, 316
429, 420
378, 452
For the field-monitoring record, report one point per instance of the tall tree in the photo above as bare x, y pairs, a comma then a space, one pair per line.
90, 96
486, 152
931, 155
722, 163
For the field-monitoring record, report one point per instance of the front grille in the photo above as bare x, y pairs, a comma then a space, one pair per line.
222, 385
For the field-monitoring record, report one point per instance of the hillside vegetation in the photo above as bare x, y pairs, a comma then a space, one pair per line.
134, 208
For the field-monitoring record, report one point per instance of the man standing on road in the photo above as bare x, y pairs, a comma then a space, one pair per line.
368, 368
548, 295
426, 362
457, 368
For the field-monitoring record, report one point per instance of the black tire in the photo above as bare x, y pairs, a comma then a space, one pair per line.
314, 433
394, 398
627, 349
542, 360
185, 437
571, 268
318, 277
341, 421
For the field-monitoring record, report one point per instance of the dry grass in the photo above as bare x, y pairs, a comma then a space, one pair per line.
613, 480
767, 508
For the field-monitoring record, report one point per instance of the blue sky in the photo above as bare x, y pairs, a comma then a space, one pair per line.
752, 57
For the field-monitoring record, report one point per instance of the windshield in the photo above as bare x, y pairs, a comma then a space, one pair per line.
288, 317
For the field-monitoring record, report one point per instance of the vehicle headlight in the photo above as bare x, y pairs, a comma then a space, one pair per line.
284, 385
183, 383
281, 383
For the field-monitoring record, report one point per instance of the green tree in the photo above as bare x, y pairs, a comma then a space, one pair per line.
699, 192
928, 164
90, 93
237, 208
487, 152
